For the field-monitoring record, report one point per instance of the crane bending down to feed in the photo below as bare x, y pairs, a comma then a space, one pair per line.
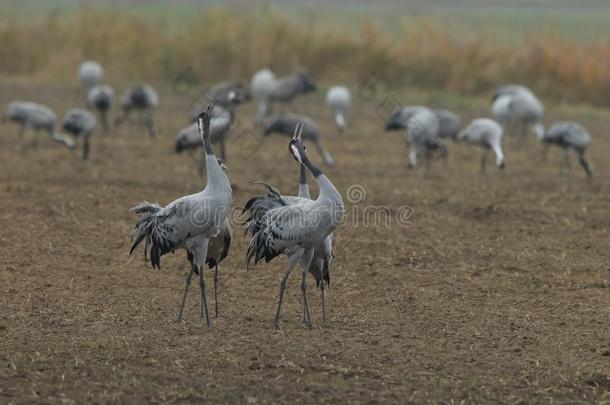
90, 74
338, 98
422, 128
229, 93
570, 136
449, 124
486, 133
189, 222
36, 117
323, 255
80, 123
100, 99
228, 96
270, 90
517, 104
143, 99
287, 124
296, 229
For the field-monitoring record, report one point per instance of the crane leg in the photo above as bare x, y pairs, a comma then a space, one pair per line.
545, 152
306, 319
292, 261
483, 160
121, 118
427, 158
585, 165
104, 120
86, 147
323, 300
412, 158
204, 299
216, 291
523, 135
150, 123
305, 263
189, 278
23, 140
35, 140
565, 163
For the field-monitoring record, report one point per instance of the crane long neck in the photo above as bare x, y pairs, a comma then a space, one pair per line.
312, 168
205, 136
217, 179
327, 188
303, 186
303, 177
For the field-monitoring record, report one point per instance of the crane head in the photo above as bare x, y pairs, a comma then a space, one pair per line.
205, 115
296, 147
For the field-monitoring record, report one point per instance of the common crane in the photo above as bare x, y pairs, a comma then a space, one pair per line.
143, 99
323, 255
37, 117
487, 134
421, 126
287, 124
188, 222
100, 99
283, 90
188, 138
339, 99
519, 105
449, 124
295, 230
90, 74
80, 123
261, 86
570, 136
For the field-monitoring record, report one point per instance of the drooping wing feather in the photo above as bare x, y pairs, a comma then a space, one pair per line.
167, 229
286, 227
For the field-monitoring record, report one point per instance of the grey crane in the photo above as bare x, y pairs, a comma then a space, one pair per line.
230, 93
516, 104
421, 126
449, 124
296, 229
188, 138
143, 99
487, 134
323, 255
100, 99
283, 90
37, 117
188, 222
80, 123
569, 136
339, 99
261, 86
287, 124
90, 74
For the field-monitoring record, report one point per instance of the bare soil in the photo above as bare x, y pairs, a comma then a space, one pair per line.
496, 290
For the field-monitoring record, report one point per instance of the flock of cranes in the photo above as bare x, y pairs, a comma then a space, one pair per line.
299, 227
514, 107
